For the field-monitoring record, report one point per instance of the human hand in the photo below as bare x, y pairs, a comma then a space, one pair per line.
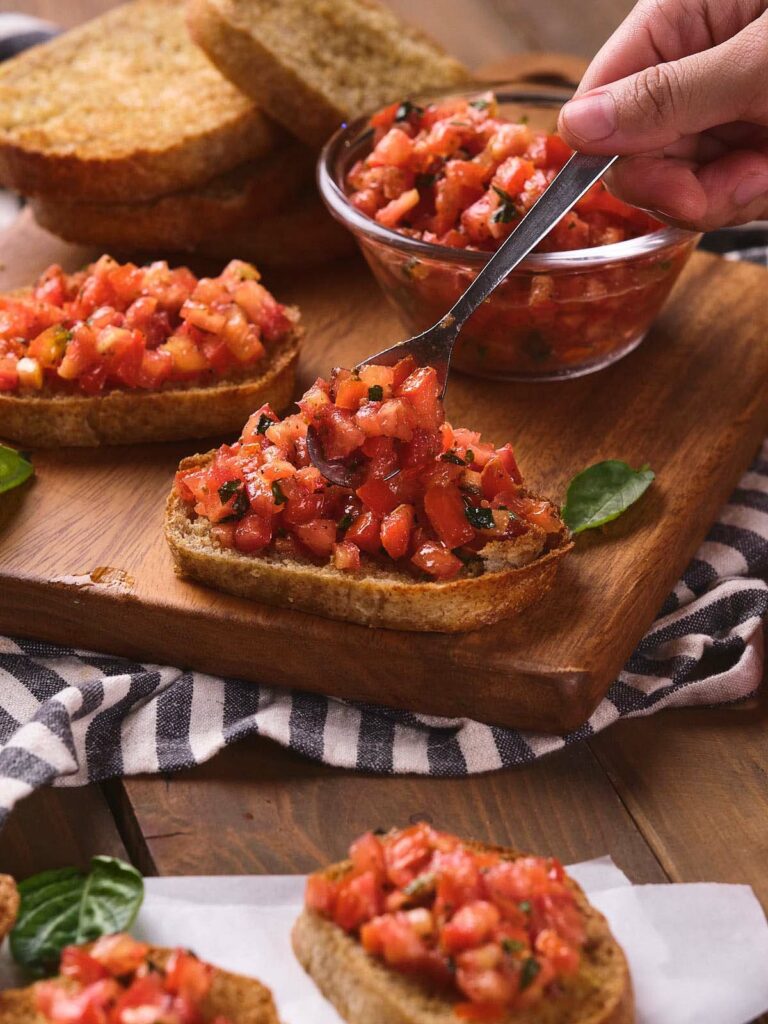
680, 92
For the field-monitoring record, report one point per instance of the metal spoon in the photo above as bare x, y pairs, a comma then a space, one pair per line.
435, 346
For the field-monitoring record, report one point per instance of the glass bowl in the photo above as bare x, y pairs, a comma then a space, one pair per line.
558, 315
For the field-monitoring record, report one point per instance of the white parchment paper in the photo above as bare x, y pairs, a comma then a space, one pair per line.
698, 953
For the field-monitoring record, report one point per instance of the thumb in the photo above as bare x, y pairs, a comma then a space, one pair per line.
656, 107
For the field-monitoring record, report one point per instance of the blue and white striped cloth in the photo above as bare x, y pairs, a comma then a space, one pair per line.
70, 717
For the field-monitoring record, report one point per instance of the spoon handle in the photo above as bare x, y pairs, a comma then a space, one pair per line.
577, 177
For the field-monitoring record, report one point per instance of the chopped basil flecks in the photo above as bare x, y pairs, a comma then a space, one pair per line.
405, 110
420, 885
505, 211
512, 946
265, 422
277, 493
531, 968
375, 393
470, 456
345, 522
229, 489
480, 104
480, 518
453, 457
525, 906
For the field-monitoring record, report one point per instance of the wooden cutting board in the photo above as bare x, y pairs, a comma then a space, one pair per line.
83, 560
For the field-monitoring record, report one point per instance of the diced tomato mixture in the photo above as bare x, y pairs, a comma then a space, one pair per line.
502, 934
114, 981
122, 326
458, 173
451, 493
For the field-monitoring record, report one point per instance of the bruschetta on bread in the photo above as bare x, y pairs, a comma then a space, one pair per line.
121, 980
119, 354
437, 532
418, 927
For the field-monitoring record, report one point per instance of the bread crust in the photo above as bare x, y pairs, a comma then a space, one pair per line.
133, 417
181, 221
364, 990
280, 86
164, 119
241, 1000
9, 904
374, 597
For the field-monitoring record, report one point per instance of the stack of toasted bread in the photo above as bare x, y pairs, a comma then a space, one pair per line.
171, 127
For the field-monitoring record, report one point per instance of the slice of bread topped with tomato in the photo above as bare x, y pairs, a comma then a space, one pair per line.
436, 532
418, 927
123, 981
118, 354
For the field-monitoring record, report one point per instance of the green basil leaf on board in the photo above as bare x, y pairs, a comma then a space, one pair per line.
65, 907
601, 493
14, 468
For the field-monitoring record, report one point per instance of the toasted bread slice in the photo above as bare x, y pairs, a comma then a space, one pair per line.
181, 221
303, 235
364, 990
123, 108
9, 904
239, 999
312, 64
170, 414
378, 597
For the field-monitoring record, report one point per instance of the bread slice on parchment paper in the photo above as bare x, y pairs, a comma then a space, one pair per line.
365, 991
121, 109
312, 64
239, 999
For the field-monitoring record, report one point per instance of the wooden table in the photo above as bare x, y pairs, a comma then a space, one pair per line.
680, 796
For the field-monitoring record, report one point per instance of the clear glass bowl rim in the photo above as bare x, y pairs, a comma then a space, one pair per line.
350, 136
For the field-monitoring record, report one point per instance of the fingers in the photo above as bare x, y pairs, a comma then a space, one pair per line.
667, 187
661, 104
730, 190
657, 31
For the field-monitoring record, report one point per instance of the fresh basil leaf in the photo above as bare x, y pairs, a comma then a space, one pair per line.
480, 518
601, 493
14, 468
530, 969
65, 907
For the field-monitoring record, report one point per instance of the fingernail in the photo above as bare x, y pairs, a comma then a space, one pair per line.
591, 118
750, 188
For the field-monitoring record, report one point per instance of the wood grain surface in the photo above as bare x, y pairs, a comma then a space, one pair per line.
101, 575
681, 792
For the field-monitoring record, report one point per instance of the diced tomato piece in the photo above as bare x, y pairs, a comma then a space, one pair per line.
119, 954
87, 1006
49, 346
77, 963
350, 393
421, 390
396, 531
401, 371
252, 533
512, 175
346, 556
380, 496
392, 418
320, 894
9, 374
365, 532
395, 148
187, 976
340, 432
471, 925
367, 854
319, 535
407, 854
445, 510
358, 900
392, 214
437, 560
